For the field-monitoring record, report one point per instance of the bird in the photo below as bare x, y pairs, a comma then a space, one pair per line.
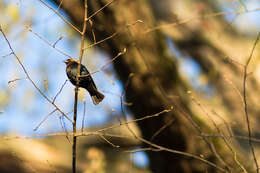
85, 81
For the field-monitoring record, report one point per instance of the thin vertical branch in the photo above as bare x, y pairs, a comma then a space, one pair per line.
74, 145
246, 106
83, 119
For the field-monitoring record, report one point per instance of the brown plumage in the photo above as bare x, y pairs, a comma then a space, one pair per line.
84, 82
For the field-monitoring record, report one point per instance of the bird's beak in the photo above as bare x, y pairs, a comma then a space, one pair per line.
65, 61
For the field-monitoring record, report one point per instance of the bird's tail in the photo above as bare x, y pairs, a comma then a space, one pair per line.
97, 97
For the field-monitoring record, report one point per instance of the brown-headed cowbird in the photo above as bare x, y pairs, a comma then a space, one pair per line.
85, 81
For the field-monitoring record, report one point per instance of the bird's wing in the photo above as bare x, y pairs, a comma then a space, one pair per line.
84, 71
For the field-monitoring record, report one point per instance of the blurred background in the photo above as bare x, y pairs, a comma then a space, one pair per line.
183, 58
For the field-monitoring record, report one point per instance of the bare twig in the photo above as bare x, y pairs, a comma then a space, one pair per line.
199, 130
59, 39
30, 79
59, 5
162, 128
161, 148
117, 116
3, 56
14, 80
235, 62
83, 119
223, 137
98, 132
59, 91
229, 129
110, 143
63, 127
63, 18
92, 31
130, 76
47, 42
44, 119
113, 35
136, 120
256, 140
235, 88
99, 10
245, 103
142, 149
101, 41
206, 16
107, 63
74, 145
158, 148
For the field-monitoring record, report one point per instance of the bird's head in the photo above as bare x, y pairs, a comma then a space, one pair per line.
70, 60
